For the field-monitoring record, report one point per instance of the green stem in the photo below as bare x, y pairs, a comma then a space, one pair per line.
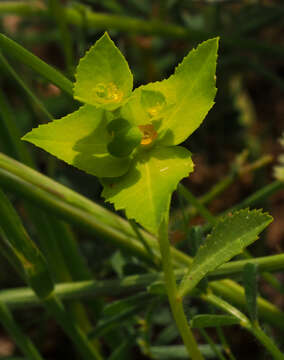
222, 185
259, 195
212, 344
175, 303
78, 210
58, 12
31, 95
267, 342
38, 276
246, 324
56, 240
24, 56
71, 328
17, 334
131, 25
143, 240
197, 204
236, 172
22, 297
7, 121
225, 344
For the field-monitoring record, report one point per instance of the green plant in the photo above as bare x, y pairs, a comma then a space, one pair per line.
129, 141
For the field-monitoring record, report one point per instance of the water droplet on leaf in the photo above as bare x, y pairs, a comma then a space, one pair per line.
153, 102
107, 93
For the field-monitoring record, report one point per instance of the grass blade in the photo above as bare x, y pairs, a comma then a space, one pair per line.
26, 57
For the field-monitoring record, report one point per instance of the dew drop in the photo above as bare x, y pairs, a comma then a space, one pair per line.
155, 109
107, 93
153, 101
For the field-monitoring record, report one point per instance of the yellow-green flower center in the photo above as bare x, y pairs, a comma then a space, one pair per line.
149, 134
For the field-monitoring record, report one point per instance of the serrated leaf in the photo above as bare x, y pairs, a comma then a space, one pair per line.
80, 139
229, 237
145, 191
208, 320
188, 95
103, 77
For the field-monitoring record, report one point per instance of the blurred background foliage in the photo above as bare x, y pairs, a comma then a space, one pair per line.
243, 127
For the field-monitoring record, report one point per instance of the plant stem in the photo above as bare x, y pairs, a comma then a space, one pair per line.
142, 239
236, 172
259, 195
128, 24
197, 204
175, 303
246, 324
22, 297
225, 344
267, 342
18, 335
26, 57
31, 95
58, 12
55, 238
209, 340
78, 210
71, 328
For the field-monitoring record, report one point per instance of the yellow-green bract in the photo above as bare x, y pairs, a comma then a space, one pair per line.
140, 174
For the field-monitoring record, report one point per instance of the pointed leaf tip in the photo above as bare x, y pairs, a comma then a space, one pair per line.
103, 78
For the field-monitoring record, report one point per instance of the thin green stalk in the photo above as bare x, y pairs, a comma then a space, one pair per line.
13, 134
55, 238
8, 254
4, 63
267, 342
257, 67
197, 204
38, 276
30, 257
236, 172
209, 340
75, 262
176, 303
142, 239
225, 344
59, 246
20, 338
97, 220
259, 195
58, 12
26, 57
22, 297
246, 324
71, 328
129, 24
225, 182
